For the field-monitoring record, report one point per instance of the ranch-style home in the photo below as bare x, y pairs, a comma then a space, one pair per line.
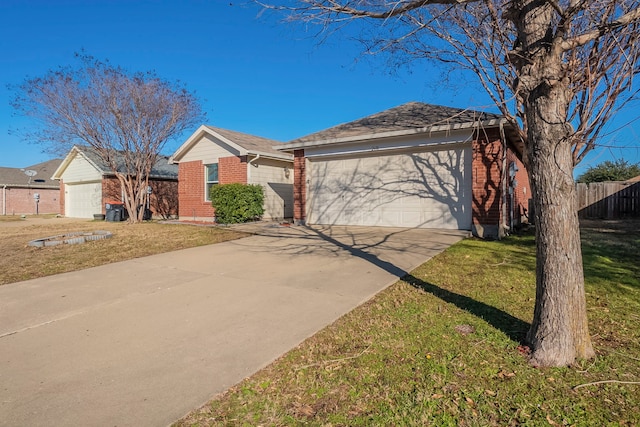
30, 190
415, 165
87, 185
213, 156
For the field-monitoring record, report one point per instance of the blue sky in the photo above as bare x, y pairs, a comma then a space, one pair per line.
253, 73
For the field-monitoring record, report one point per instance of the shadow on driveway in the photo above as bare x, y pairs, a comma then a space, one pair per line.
383, 247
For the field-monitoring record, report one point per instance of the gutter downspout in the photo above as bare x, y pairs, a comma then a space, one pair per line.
4, 199
249, 169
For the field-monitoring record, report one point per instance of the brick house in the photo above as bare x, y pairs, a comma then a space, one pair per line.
416, 165
30, 190
213, 156
87, 184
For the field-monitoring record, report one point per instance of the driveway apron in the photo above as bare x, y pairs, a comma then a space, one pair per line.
143, 342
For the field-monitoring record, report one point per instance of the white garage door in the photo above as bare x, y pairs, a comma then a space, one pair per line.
430, 189
83, 200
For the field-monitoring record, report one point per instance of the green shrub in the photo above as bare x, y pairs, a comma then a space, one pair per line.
235, 203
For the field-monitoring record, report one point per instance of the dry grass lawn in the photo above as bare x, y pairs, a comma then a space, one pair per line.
18, 261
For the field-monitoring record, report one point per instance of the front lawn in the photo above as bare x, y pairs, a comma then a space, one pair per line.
442, 347
18, 261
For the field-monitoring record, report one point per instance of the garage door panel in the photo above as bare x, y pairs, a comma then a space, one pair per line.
409, 202
370, 218
411, 217
404, 190
83, 200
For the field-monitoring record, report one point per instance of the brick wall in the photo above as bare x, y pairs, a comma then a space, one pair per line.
111, 191
487, 184
488, 190
165, 202
232, 170
521, 193
191, 186
20, 201
164, 196
299, 187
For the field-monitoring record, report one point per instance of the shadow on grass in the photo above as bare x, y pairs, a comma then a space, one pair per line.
516, 329
511, 326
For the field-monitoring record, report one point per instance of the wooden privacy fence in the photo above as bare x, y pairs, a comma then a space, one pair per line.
609, 200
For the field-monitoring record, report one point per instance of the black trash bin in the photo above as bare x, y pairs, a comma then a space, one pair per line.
114, 212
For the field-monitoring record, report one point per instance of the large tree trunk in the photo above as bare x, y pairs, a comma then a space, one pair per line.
559, 333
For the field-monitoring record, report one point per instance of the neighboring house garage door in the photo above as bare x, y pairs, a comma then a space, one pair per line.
83, 200
430, 189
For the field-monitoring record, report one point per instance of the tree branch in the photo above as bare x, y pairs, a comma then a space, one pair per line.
606, 382
393, 11
395, 8
584, 38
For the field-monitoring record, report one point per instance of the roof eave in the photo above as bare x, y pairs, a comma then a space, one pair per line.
390, 134
31, 186
274, 156
151, 176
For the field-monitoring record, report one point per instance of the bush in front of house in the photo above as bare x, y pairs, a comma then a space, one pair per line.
235, 203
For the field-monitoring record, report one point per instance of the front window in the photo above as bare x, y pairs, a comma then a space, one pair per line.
210, 179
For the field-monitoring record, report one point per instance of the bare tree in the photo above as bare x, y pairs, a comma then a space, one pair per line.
126, 118
557, 70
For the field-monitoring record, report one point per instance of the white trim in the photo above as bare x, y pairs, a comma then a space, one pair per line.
284, 156
206, 179
389, 151
391, 146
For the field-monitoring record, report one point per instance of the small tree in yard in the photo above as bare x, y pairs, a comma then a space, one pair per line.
557, 70
126, 118
620, 170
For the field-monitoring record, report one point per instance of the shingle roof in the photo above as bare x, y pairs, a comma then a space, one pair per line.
162, 169
406, 117
250, 143
16, 177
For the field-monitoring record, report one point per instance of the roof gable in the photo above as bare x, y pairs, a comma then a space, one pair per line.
244, 143
162, 169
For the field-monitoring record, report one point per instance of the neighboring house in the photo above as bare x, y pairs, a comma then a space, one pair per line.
30, 190
219, 156
87, 184
415, 165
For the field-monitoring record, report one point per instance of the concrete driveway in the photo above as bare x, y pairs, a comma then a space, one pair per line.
143, 342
